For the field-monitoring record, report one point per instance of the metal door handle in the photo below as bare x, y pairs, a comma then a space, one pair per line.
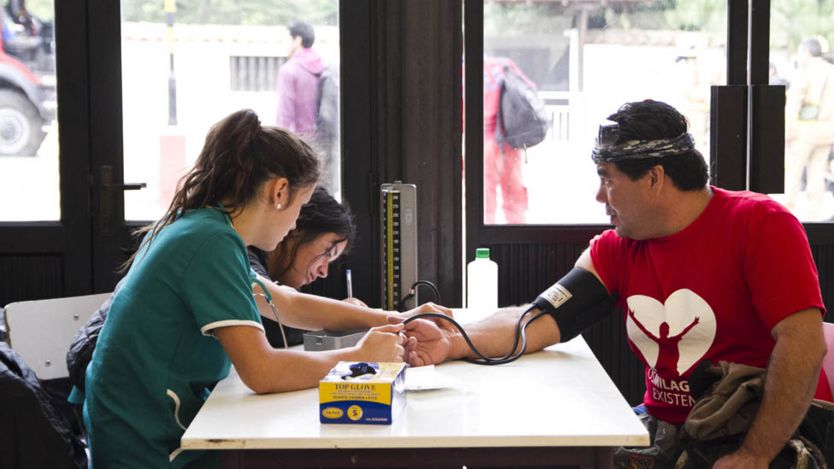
135, 186
105, 204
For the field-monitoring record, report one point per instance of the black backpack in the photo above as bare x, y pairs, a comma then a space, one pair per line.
81, 348
327, 107
522, 116
37, 428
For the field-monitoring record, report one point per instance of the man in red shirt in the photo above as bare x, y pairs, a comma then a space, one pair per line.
695, 271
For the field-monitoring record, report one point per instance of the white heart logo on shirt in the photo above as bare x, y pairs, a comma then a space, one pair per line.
674, 335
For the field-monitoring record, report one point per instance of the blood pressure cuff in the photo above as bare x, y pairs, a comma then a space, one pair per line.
577, 302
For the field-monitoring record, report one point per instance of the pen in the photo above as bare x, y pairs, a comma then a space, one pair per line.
349, 283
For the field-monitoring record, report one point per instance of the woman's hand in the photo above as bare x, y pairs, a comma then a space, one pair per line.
428, 308
384, 344
432, 308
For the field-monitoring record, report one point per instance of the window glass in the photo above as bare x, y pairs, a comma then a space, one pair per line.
187, 64
801, 60
586, 59
28, 129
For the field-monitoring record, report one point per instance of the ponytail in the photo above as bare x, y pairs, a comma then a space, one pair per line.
238, 157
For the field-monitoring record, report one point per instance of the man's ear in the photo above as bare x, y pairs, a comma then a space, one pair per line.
657, 177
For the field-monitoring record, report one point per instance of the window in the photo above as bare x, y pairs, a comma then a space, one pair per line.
801, 59
586, 59
186, 66
28, 126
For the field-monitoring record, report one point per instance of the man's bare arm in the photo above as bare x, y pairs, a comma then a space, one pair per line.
492, 336
792, 376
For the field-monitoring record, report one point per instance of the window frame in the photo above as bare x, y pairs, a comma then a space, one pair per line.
477, 233
743, 156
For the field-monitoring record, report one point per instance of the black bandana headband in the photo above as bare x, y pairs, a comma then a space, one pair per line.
606, 151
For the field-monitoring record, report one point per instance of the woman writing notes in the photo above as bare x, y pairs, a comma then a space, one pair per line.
186, 312
323, 233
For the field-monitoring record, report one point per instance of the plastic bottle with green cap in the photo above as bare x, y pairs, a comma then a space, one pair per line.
482, 282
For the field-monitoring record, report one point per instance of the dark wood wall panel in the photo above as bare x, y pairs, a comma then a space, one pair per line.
402, 128
524, 270
30, 277
431, 155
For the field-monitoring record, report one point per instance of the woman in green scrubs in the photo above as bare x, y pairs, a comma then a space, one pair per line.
186, 310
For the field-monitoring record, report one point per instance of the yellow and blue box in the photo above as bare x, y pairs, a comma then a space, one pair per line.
362, 392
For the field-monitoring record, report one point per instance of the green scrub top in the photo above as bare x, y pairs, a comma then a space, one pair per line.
156, 360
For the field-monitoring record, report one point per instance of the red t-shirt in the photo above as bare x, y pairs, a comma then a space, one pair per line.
711, 291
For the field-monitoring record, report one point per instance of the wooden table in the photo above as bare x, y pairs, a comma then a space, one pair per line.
553, 407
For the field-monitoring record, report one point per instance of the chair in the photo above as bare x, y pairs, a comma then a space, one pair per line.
41, 330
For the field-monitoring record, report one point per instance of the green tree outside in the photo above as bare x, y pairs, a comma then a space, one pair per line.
236, 12
793, 20
252, 12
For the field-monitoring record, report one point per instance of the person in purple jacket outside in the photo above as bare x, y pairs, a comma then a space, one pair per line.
299, 85
298, 81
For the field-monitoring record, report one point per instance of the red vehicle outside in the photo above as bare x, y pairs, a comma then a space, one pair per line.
27, 92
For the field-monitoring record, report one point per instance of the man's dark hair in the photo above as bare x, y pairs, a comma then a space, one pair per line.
305, 31
654, 120
812, 45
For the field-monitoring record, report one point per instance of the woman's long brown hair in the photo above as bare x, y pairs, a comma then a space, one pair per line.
238, 157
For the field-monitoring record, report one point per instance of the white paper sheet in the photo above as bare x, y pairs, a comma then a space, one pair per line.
424, 378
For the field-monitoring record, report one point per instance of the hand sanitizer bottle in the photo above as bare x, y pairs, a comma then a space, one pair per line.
482, 282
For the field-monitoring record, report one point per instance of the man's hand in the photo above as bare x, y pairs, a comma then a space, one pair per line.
741, 458
792, 376
433, 345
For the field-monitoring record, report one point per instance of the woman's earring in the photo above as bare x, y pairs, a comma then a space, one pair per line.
278, 206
